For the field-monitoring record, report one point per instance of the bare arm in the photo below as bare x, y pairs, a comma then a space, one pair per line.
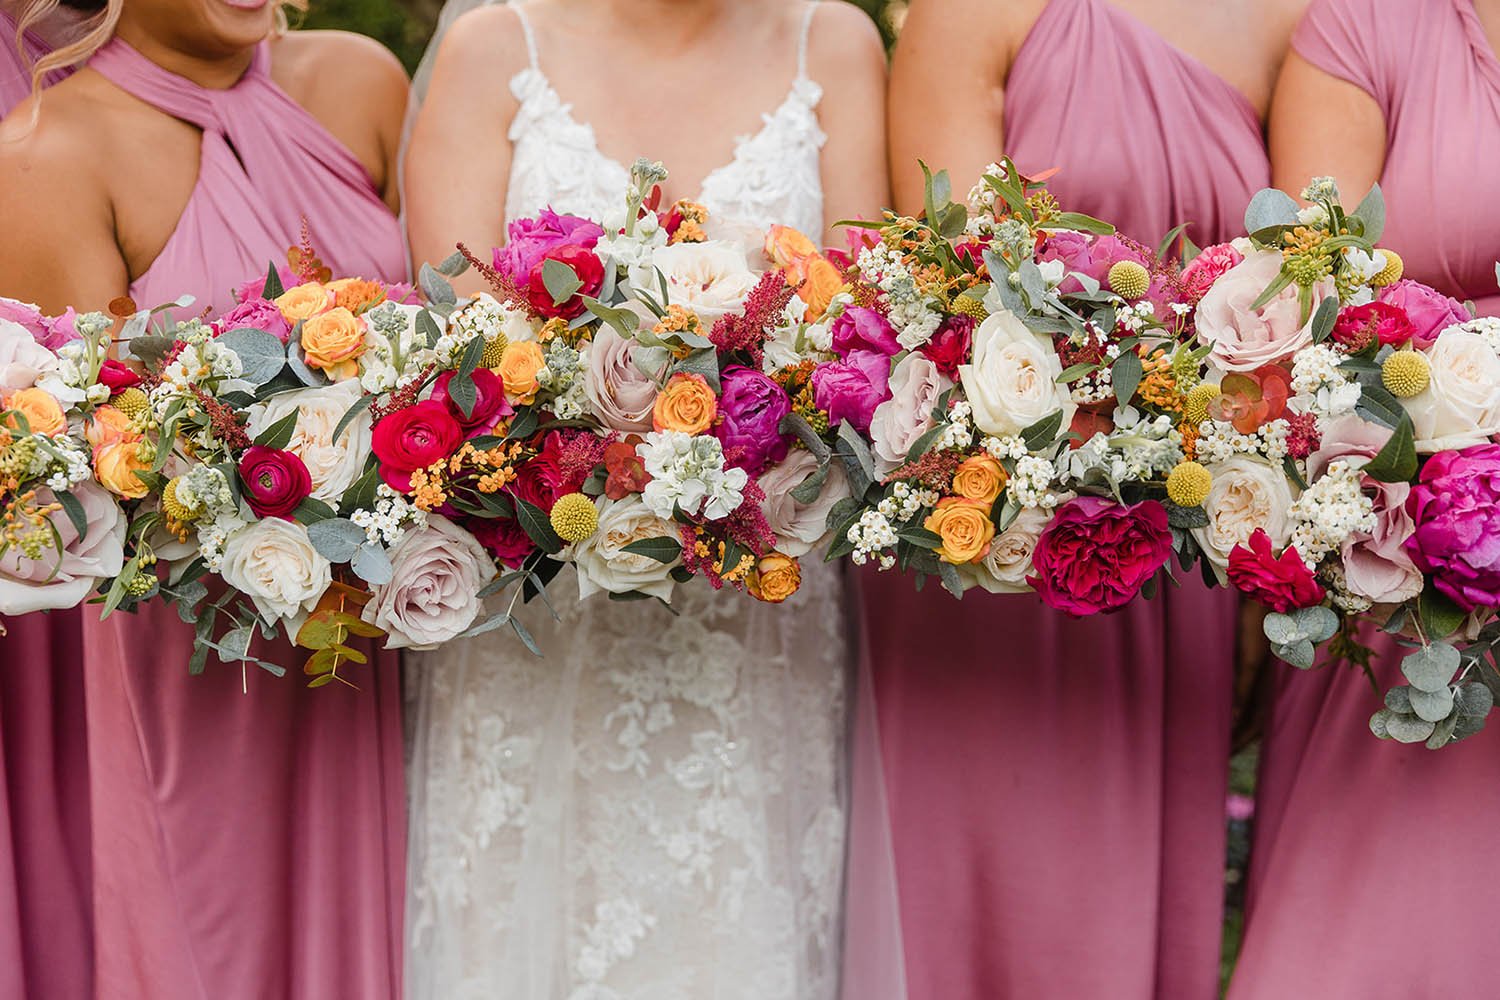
1322, 126
947, 93
458, 164
845, 53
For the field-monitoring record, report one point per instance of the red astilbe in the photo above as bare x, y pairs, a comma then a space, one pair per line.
747, 524
402, 397
305, 261
581, 453
224, 420
506, 290
933, 470
762, 314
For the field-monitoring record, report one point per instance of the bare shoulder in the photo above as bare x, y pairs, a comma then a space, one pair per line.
487, 42
313, 65
996, 26
60, 144
843, 40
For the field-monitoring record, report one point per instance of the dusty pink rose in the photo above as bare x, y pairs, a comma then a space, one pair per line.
1430, 311
619, 393
1243, 338
257, 314
898, 422
798, 526
64, 580
433, 595
1096, 555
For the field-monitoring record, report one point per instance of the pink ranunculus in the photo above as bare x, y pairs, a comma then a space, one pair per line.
117, 376
1456, 508
255, 288
437, 574
851, 389
1357, 327
413, 438
1430, 311
1282, 583
1096, 555
1243, 338
529, 240
490, 404
275, 481
862, 329
949, 347
1376, 567
503, 538
751, 408
584, 263
1208, 267
256, 314
64, 580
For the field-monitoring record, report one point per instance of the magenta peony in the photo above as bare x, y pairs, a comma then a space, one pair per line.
751, 408
529, 240
1282, 583
861, 329
851, 389
1096, 555
1456, 508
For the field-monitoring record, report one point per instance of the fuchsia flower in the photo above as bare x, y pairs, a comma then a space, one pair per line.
860, 329
1360, 326
530, 240
1429, 311
751, 408
1456, 508
1096, 555
851, 389
257, 314
949, 347
1282, 583
256, 287
413, 439
275, 481
490, 404
503, 537
117, 376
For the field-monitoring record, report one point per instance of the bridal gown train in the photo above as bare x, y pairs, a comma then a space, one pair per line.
653, 810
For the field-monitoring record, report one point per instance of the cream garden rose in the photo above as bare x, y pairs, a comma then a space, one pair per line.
22, 360
1007, 565
619, 393
898, 422
63, 580
1461, 404
603, 563
333, 465
273, 562
710, 279
433, 596
1241, 338
1012, 382
1246, 494
799, 527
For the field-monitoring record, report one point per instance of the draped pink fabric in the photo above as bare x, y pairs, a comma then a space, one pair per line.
45, 937
246, 845
1056, 787
1339, 816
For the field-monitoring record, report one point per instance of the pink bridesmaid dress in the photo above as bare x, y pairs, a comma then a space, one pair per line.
246, 845
45, 938
1363, 878
1055, 786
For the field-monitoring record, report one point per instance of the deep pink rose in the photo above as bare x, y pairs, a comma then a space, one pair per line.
490, 404
529, 240
861, 329
541, 481
852, 388
1374, 322
504, 537
1430, 311
413, 439
275, 481
751, 408
117, 376
1456, 508
1094, 255
585, 264
949, 347
1282, 583
1206, 268
257, 314
256, 287
1096, 555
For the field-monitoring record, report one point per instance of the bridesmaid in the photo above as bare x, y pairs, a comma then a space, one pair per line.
1088, 761
1407, 94
245, 845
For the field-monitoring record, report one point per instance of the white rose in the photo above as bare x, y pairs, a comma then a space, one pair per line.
710, 278
799, 527
1246, 494
63, 580
898, 422
333, 465
22, 360
1461, 404
619, 393
1005, 569
273, 563
433, 596
1241, 338
1012, 382
604, 565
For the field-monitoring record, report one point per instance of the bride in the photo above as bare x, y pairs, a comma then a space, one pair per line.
653, 810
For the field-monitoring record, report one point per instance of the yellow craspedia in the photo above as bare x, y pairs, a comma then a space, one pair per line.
1391, 273
1188, 484
1195, 403
132, 402
494, 350
968, 305
574, 517
1129, 279
1405, 373
175, 508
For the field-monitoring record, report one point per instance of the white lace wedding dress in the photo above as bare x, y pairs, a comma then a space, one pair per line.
655, 810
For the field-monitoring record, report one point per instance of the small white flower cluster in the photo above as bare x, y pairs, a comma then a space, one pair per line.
1001, 448
871, 536
688, 473
73, 381
392, 517
1220, 441
981, 203
201, 358
1134, 316
1338, 590
562, 376
484, 317
395, 353
1142, 447
959, 433
1096, 386
1324, 389
67, 465
1329, 512
1487, 327
214, 535
912, 314
906, 502
634, 250
1030, 483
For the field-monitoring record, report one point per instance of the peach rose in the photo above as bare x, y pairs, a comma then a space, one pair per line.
965, 528
356, 294
108, 425
116, 465
302, 302
518, 367
776, 577
797, 257
821, 281
686, 405
979, 478
786, 246
333, 341
43, 413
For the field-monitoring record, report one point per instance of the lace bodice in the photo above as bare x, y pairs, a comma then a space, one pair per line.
772, 178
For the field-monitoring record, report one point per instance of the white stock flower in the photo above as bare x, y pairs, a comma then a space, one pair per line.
688, 473
273, 562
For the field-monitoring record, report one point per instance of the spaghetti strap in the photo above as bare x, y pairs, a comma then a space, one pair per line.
807, 17
530, 37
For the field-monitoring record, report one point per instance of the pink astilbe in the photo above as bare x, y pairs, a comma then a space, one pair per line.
1302, 436
506, 290
581, 453
747, 525
762, 314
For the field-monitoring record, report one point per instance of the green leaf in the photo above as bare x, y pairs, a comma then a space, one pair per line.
312, 510
523, 425
1396, 462
1125, 375
279, 434
811, 488
538, 526
560, 280
273, 288
1073, 373
858, 462
1280, 282
234, 645
525, 636
453, 265
75, 512
261, 354
1432, 667
336, 538
435, 286
663, 548
952, 583
623, 321
359, 406
461, 387
361, 493
1043, 433
372, 565
1371, 212
1164, 248
920, 537
428, 328
1270, 207
1440, 616
1376, 403
1082, 223
1324, 318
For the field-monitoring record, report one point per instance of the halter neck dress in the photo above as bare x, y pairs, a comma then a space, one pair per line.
251, 844
1056, 786
1339, 815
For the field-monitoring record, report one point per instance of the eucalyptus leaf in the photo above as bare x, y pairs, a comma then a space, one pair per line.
859, 463
435, 286
1432, 706
234, 645
1408, 728
336, 539
811, 488
1398, 698
1474, 699
1270, 207
1432, 667
1300, 653
1371, 212
372, 565
1281, 628
560, 280
524, 635
261, 354
490, 624
948, 574
1378, 723
1316, 623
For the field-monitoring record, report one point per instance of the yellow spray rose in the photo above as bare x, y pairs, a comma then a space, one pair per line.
43, 413
775, 578
518, 367
965, 528
333, 341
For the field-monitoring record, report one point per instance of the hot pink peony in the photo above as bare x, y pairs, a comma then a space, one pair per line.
751, 408
1282, 583
1096, 555
529, 240
851, 389
1430, 311
257, 314
861, 329
1456, 508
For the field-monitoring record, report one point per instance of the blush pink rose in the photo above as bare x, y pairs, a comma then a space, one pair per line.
1096, 555
1243, 338
898, 422
64, 580
437, 573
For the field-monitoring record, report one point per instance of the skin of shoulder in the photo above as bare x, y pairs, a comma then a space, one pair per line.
846, 56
